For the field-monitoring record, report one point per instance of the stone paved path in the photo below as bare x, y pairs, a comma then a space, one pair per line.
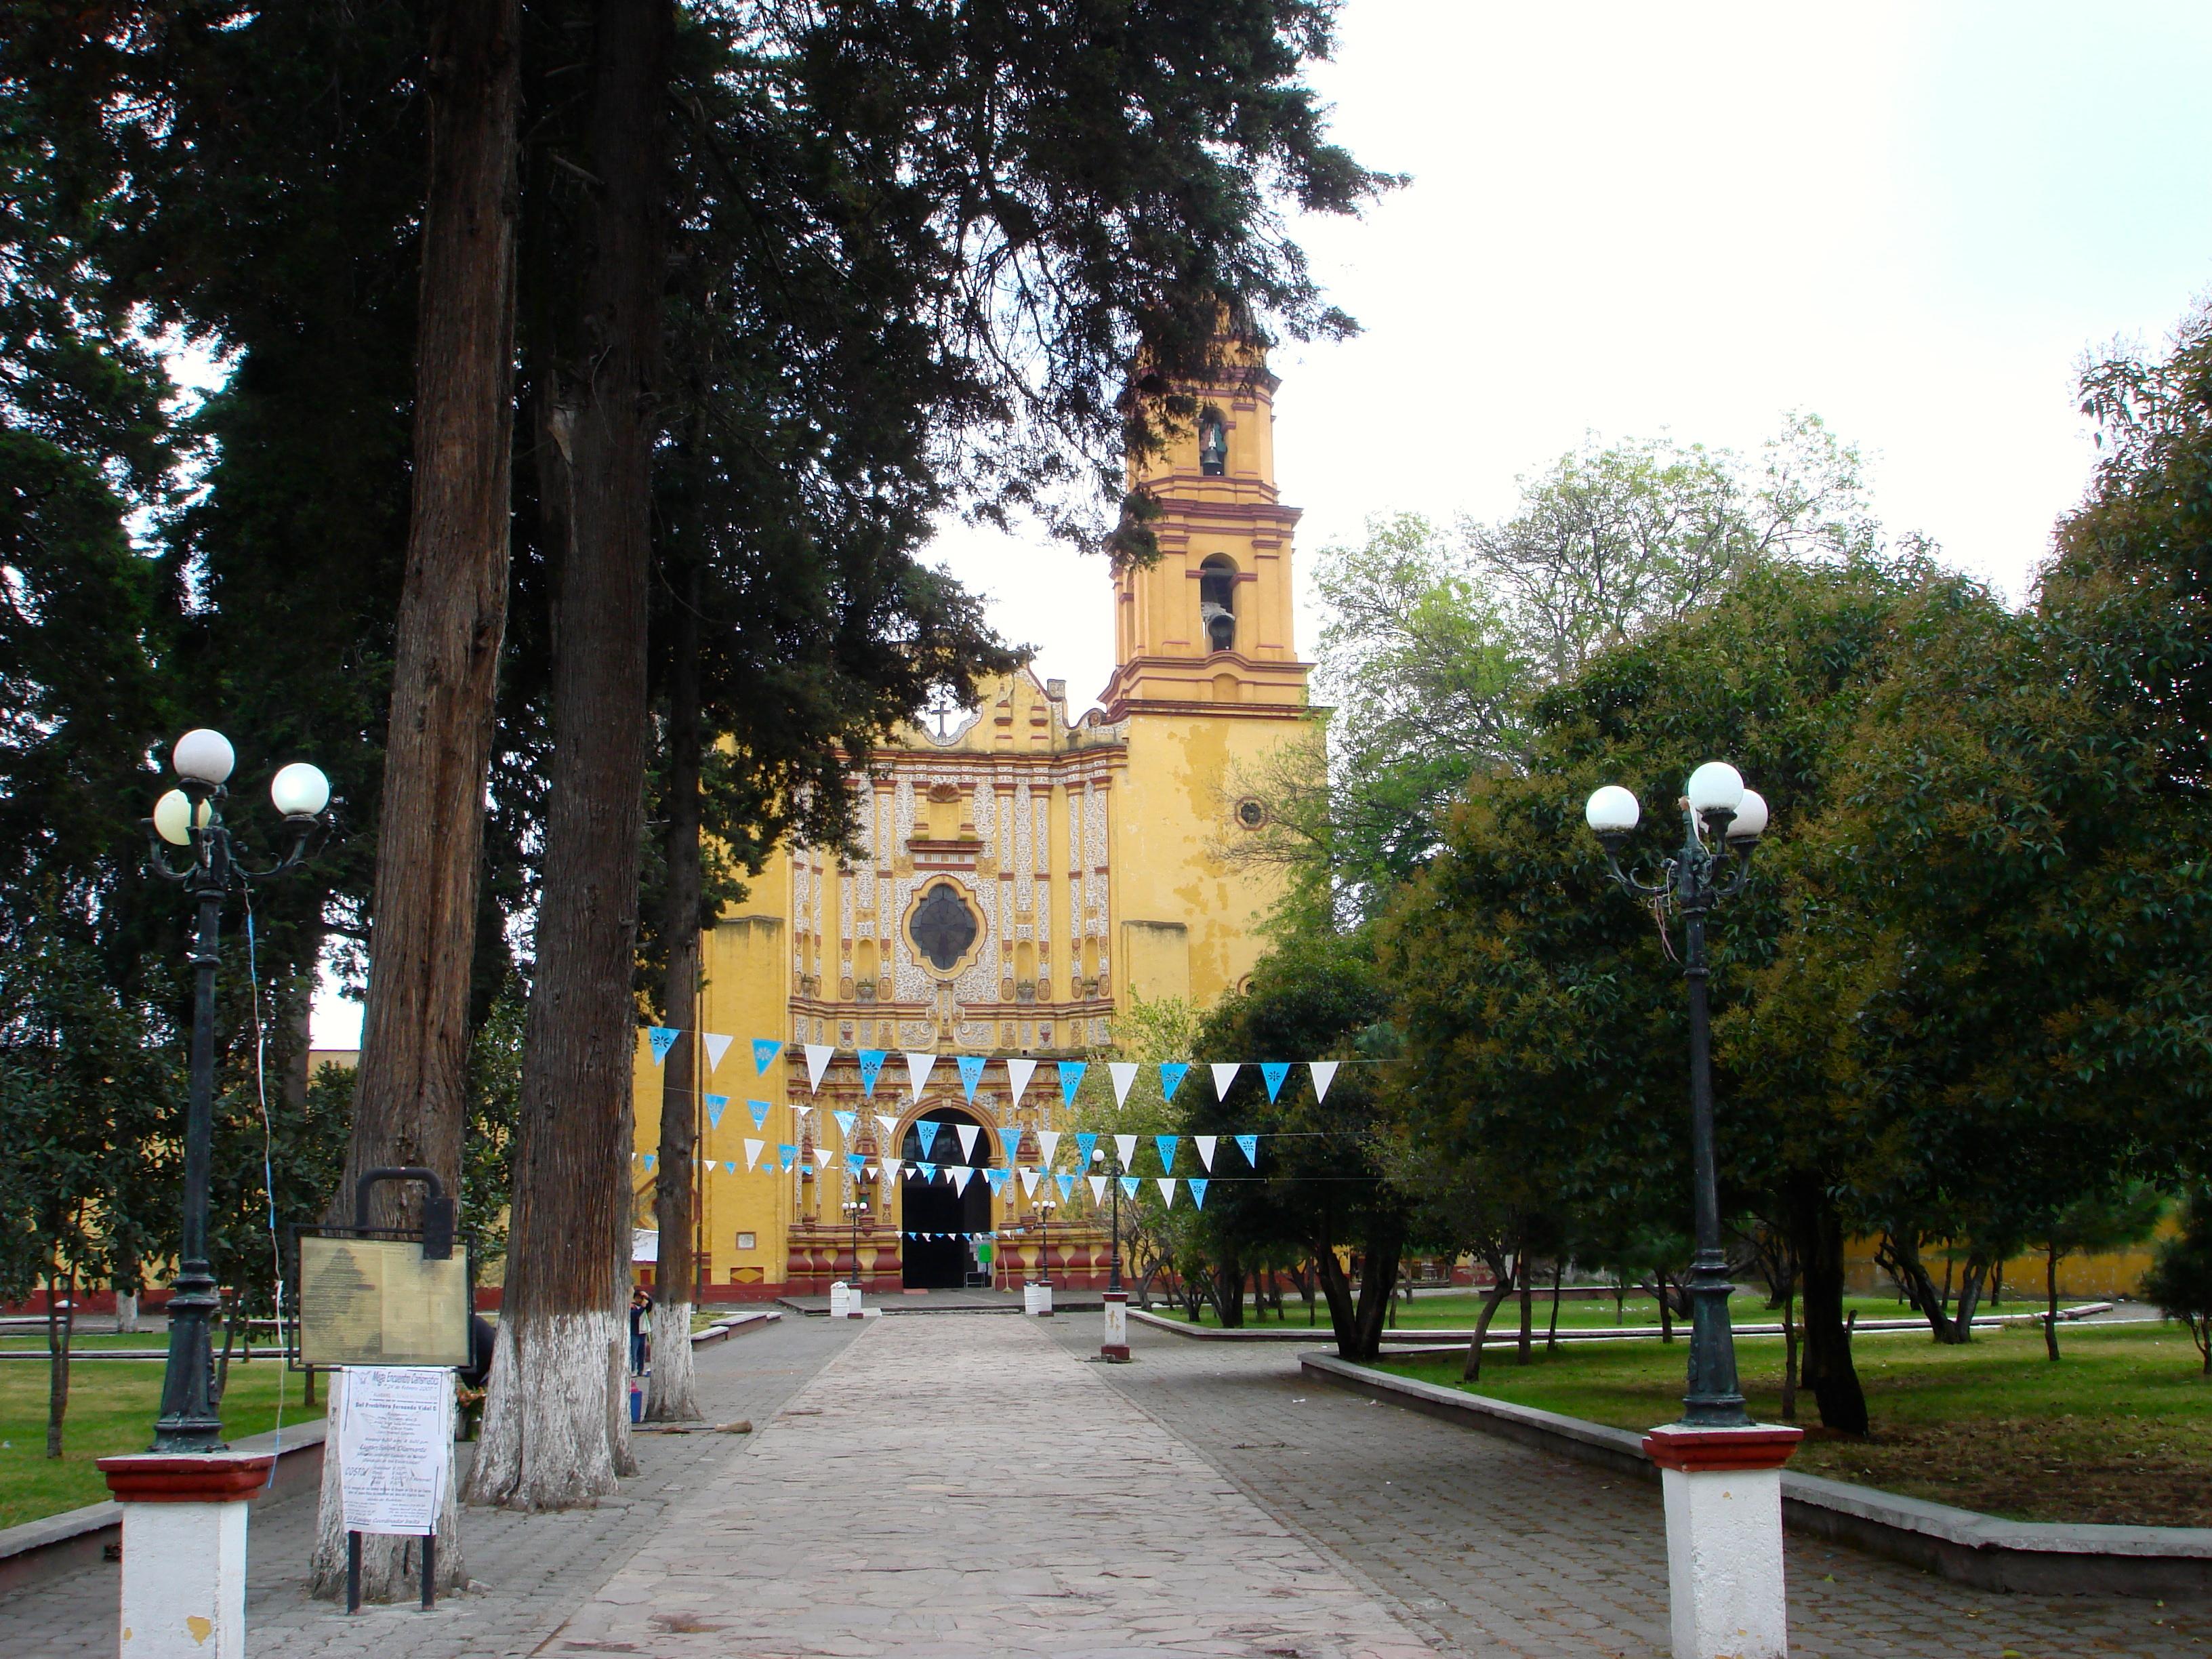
955, 1486
1497, 1549
534, 1570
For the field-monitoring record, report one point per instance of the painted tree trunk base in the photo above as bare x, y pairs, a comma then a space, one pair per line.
671, 1394
556, 1431
390, 1568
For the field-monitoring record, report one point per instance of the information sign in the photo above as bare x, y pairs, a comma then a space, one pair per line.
380, 1302
395, 1448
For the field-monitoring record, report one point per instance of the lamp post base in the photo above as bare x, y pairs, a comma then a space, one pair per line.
1115, 1347
183, 1551
1724, 1494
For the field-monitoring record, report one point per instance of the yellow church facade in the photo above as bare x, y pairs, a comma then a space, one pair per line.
1023, 870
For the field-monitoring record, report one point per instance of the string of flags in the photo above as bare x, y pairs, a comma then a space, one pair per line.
920, 1064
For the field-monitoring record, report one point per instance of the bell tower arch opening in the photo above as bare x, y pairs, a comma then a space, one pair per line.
1216, 601
937, 1223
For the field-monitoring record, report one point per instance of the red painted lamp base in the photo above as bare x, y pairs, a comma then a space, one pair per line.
1693, 1451
186, 1476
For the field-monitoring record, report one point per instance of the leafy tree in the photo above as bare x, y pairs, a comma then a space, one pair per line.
2111, 1219
2180, 1278
1323, 1186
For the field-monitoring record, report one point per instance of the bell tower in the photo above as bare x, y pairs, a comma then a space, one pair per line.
1208, 625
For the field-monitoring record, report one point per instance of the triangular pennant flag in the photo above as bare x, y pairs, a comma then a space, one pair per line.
1324, 1073
1125, 1150
1048, 1144
927, 1128
998, 1180
1010, 1143
1071, 1079
1249, 1146
753, 1152
759, 1109
1086, 1144
765, 1049
1128, 1186
716, 1046
845, 1122
1098, 1188
1204, 1145
818, 1062
960, 1175
971, 1073
967, 1132
716, 1105
1124, 1073
917, 1073
1029, 1182
663, 1039
729, 1166
871, 1064
892, 1165
648, 1160
1165, 1145
1066, 1185
1225, 1073
1197, 1185
889, 1126
928, 1171
785, 1153
822, 1157
854, 1162
1166, 1184
1172, 1073
1274, 1070
1019, 1073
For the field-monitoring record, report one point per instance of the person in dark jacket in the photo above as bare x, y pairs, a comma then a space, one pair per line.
640, 1308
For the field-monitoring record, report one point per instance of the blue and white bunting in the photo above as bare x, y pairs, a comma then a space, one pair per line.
1165, 1145
663, 1039
1206, 1144
1172, 1073
765, 1049
1086, 1144
845, 1122
1197, 1185
1019, 1073
971, 1073
959, 1175
818, 1056
1124, 1073
871, 1066
1324, 1073
1125, 1150
1249, 1146
998, 1180
967, 1132
1274, 1070
1128, 1186
1166, 1184
716, 1046
1225, 1073
716, 1105
927, 1128
759, 1109
786, 1152
1098, 1188
1067, 1184
648, 1160
752, 1153
917, 1073
1048, 1144
1071, 1079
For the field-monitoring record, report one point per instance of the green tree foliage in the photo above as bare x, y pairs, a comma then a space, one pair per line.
2180, 1278
1325, 1192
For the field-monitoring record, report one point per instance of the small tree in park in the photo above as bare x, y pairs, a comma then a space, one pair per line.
2180, 1278
2108, 1220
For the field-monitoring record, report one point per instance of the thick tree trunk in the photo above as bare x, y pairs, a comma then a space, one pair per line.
1386, 1241
410, 1101
671, 1396
555, 1428
1817, 1236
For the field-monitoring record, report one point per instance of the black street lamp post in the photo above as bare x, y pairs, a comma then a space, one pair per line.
1723, 821
1044, 1209
190, 817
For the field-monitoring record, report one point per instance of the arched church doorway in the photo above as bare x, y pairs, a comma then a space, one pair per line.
937, 1222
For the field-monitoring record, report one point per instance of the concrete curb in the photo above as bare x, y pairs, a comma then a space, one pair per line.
56, 1545
1443, 1336
2037, 1557
736, 1325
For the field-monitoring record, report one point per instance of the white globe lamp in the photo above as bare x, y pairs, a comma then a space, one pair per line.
1611, 811
202, 755
173, 817
300, 791
1750, 821
1716, 787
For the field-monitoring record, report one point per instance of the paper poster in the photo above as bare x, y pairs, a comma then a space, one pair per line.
395, 1448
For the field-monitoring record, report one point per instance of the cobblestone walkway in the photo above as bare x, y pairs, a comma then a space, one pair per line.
531, 1571
957, 1486
1495, 1549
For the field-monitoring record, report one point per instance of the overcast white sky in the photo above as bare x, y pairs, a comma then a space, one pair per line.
1911, 220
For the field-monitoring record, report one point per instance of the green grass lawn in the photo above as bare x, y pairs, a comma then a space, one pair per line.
113, 1404
2119, 1432
1459, 1311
